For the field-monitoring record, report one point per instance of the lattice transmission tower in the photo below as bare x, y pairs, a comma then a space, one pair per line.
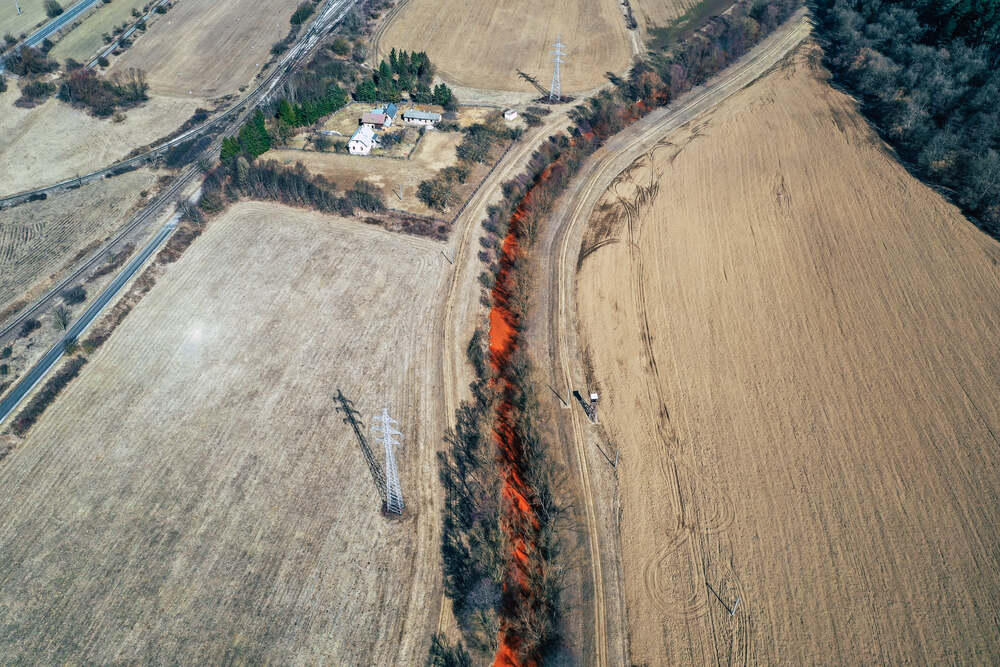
558, 53
386, 434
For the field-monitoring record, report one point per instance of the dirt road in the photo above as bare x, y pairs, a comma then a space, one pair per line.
551, 333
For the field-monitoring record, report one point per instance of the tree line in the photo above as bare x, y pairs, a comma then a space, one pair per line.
405, 72
927, 75
474, 550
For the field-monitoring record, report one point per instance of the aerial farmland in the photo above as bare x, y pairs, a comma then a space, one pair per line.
394, 332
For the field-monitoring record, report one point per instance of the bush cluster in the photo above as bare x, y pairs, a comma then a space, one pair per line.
405, 72
103, 96
30, 414
30, 61
928, 77
475, 551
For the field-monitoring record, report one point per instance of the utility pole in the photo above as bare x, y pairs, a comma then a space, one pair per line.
555, 93
386, 434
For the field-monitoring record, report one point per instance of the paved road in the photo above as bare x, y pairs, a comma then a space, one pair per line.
551, 331
38, 372
334, 12
56, 24
330, 15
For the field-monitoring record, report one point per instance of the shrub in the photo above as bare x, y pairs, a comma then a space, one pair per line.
30, 60
436, 193
161, 9
6, 352
37, 90
278, 48
103, 62
340, 46
30, 414
74, 295
3, 83
4, 369
53, 8
302, 12
28, 326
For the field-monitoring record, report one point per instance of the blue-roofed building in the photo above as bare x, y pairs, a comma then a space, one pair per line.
390, 110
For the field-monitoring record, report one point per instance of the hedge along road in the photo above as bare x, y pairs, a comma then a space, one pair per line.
334, 11
39, 370
55, 25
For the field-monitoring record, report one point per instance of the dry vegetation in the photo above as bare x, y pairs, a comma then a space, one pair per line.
39, 239
244, 526
84, 41
435, 150
208, 49
660, 13
483, 44
32, 13
54, 141
795, 343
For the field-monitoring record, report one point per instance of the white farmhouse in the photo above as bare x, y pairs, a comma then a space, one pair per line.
414, 117
362, 140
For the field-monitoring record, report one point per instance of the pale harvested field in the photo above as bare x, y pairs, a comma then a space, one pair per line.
84, 41
209, 49
32, 13
483, 44
40, 239
795, 344
53, 141
194, 498
435, 151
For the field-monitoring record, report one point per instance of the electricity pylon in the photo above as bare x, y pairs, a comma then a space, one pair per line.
386, 434
555, 93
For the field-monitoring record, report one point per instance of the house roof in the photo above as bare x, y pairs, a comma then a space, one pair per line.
373, 118
390, 110
365, 134
421, 115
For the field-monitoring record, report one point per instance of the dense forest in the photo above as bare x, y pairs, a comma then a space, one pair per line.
926, 73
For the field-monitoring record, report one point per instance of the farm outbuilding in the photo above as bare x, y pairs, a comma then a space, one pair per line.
375, 119
415, 117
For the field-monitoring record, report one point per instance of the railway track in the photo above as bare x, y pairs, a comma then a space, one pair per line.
333, 11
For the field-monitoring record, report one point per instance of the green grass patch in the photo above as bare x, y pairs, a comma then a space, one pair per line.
684, 26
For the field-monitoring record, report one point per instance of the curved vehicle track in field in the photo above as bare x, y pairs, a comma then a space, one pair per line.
555, 328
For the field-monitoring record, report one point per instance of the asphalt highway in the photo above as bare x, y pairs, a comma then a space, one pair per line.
56, 24
38, 372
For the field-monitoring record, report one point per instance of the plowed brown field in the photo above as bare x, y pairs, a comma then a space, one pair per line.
193, 497
795, 345
39, 239
483, 44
